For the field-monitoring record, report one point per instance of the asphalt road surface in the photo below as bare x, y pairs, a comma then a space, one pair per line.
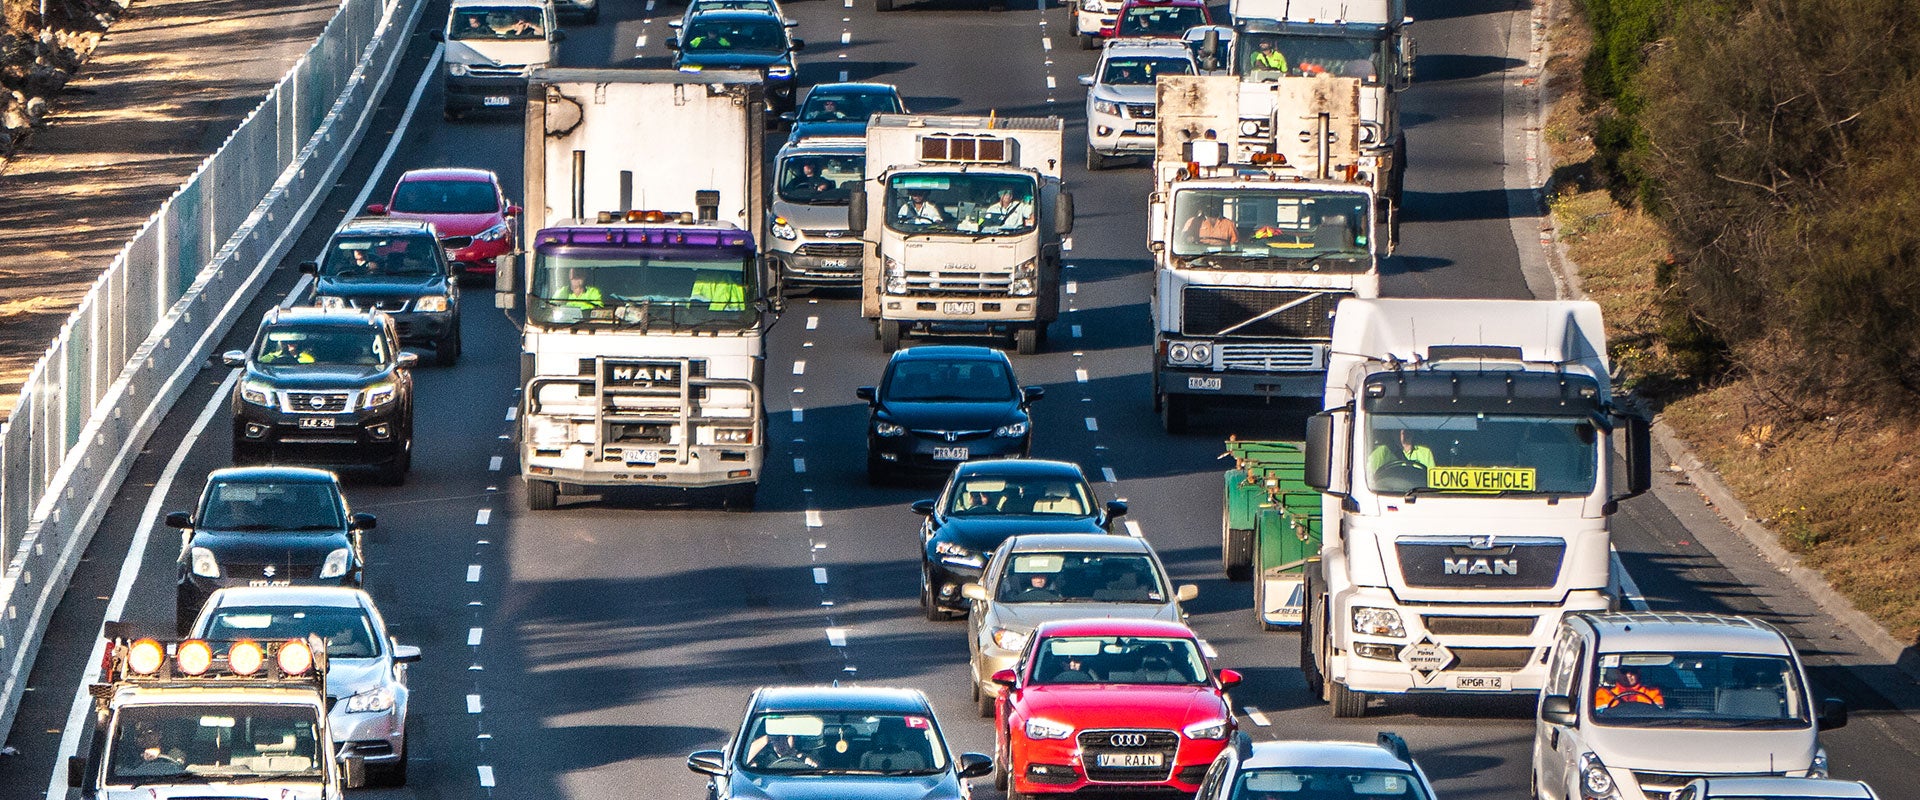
582, 653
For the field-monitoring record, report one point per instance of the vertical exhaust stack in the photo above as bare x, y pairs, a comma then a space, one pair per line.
579, 207
626, 191
707, 202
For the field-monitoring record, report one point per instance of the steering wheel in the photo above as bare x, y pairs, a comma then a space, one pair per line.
790, 762
1400, 475
1630, 696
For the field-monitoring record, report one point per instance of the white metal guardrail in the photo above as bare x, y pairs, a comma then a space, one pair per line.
151, 320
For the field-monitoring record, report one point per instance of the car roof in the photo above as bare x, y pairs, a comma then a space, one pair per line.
1685, 633
1787, 787
388, 225
1164, 3
1147, 47
949, 352
1115, 627
275, 474
448, 174
1020, 466
826, 147
501, 3
1076, 543
315, 315
841, 698
854, 87
1351, 755
724, 14
306, 596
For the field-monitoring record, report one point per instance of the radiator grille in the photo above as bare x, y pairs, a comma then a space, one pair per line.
1207, 311
1096, 742
1479, 626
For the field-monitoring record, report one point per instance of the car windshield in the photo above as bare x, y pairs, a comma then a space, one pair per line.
979, 204
1327, 783
985, 495
608, 287
820, 180
269, 506
340, 346
1269, 56
1481, 453
445, 197
1698, 690
1142, 70
823, 106
196, 743
843, 744
1272, 229
1118, 659
368, 258
1081, 578
495, 23
735, 35
348, 632
1161, 20
928, 381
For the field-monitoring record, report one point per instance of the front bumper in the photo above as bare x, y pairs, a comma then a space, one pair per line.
695, 467
486, 93
914, 452
1488, 649
1233, 383
1120, 136
946, 578
820, 265
424, 328
360, 438
477, 258
935, 312
379, 737
1058, 766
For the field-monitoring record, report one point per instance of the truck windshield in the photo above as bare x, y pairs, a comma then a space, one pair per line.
1271, 56
1698, 690
966, 203
373, 258
1480, 453
670, 292
176, 742
820, 180
1272, 229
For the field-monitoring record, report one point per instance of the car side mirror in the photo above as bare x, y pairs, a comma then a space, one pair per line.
790, 116
1005, 677
514, 210
377, 209
437, 35
363, 522
76, 772
673, 43
975, 765
790, 23
923, 507
675, 23
309, 268
1032, 393
1557, 709
1086, 80
708, 762
1833, 713
1116, 508
407, 360
559, 36
1229, 678
973, 591
865, 393
354, 770
234, 358
405, 654
1186, 591
798, 45
179, 519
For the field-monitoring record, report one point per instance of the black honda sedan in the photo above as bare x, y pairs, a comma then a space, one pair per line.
942, 405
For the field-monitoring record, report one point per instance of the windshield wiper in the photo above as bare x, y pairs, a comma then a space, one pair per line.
262, 777
314, 527
178, 777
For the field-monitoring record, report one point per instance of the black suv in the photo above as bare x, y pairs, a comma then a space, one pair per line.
396, 266
266, 526
326, 387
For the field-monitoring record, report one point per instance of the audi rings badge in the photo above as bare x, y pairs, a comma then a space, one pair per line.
1128, 740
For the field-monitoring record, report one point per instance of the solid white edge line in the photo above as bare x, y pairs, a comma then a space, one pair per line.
123, 585
1629, 590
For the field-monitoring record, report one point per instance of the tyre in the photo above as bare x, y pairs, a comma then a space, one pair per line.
1003, 767
1173, 414
542, 495
1026, 341
394, 774
889, 335
447, 352
877, 472
1095, 161
1347, 703
929, 605
1236, 547
741, 498
1089, 42
1311, 624
985, 701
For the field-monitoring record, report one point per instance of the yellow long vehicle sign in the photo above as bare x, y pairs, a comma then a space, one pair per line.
1481, 479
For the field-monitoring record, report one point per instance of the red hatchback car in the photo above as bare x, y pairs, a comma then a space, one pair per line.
1157, 19
1110, 704
468, 210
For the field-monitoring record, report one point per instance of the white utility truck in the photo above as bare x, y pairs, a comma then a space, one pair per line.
641, 361
962, 219
1467, 464
1262, 219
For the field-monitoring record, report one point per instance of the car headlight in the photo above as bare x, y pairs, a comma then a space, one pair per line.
457, 70
329, 301
1211, 729
1596, 783
951, 553
888, 429
1108, 108
1047, 729
259, 393
379, 698
732, 435
1010, 639
495, 233
783, 230
431, 303
204, 564
1818, 769
336, 564
381, 394
1378, 622
1012, 431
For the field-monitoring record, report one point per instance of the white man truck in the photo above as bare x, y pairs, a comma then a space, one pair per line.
641, 360
962, 219
1262, 219
1365, 40
1467, 469
195, 718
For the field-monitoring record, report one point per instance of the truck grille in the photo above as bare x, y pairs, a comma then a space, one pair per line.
1490, 659
1096, 742
1481, 562
956, 281
1479, 626
1270, 357
835, 250
1206, 311
318, 402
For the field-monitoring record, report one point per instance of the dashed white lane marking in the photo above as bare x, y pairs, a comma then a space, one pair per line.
846, 37
799, 465
1073, 287
473, 573
1051, 84
513, 412
813, 322
813, 518
846, 4
1628, 588
1133, 530
483, 516
650, 6
799, 367
1066, 244
1046, 43
1107, 472
1076, 331
843, 76
493, 464
486, 776
1080, 375
799, 416
820, 575
640, 43
1093, 424
837, 637
473, 704
474, 635
1257, 717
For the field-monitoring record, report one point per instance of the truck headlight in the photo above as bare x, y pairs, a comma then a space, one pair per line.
783, 230
1010, 639
329, 301
1211, 729
1378, 622
732, 435
1038, 728
1106, 107
382, 393
544, 430
336, 564
493, 234
431, 303
457, 70
951, 553
896, 275
888, 430
379, 698
1012, 431
204, 564
259, 393
1092, 6
1596, 783
1183, 354
1023, 278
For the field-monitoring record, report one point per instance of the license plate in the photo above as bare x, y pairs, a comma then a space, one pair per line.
643, 456
1197, 382
269, 583
1128, 759
833, 263
1143, 127
319, 423
957, 307
950, 454
1480, 683
496, 100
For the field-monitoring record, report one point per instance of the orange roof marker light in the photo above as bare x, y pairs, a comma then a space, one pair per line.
245, 657
145, 657
295, 658
193, 657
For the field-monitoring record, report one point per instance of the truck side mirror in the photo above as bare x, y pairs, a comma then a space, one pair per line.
506, 281
559, 36
76, 772
857, 210
1063, 214
1210, 50
1639, 447
1557, 709
353, 771
437, 35
1319, 466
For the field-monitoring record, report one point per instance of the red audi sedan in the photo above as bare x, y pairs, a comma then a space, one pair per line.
1110, 704
467, 208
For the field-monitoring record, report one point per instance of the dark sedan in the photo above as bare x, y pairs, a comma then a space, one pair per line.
841, 110
942, 405
266, 526
985, 503
838, 743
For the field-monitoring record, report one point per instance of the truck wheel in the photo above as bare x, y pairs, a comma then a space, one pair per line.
1236, 547
1347, 703
542, 495
1310, 627
1095, 161
1173, 414
1026, 341
889, 335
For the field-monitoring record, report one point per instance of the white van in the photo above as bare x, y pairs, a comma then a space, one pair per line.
492, 45
1636, 705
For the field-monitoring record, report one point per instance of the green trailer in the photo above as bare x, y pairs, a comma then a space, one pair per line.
1270, 527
